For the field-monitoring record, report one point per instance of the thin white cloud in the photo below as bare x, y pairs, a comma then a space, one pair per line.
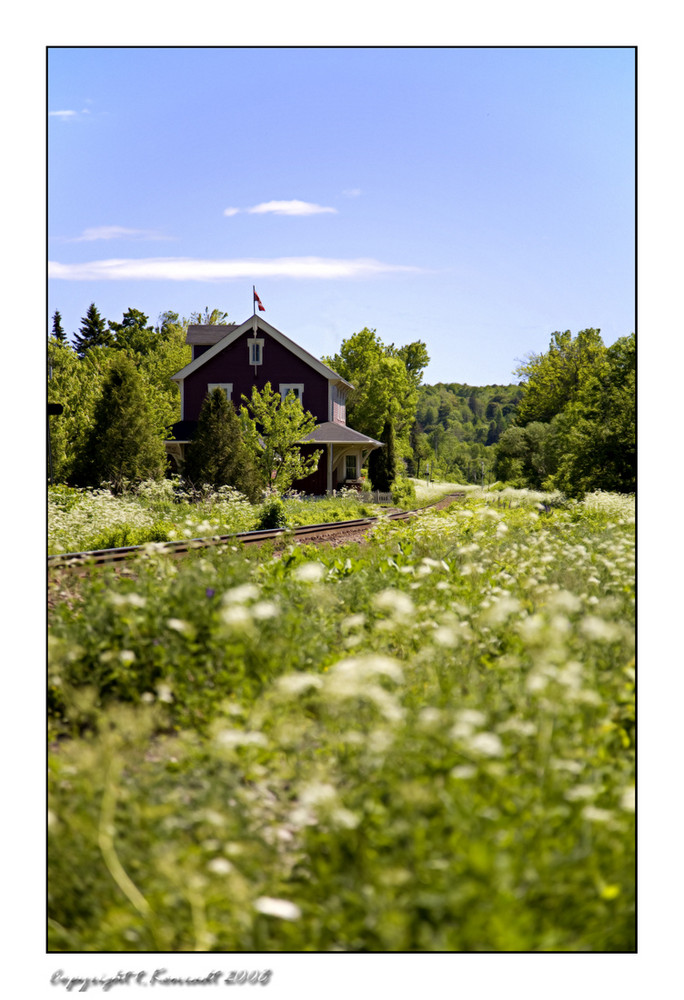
289, 208
293, 207
197, 269
352, 192
62, 115
116, 233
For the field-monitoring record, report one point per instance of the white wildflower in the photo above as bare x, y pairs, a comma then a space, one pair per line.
240, 595
363, 667
598, 628
429, 717
281, 908
317, 793
520, 726
264, 610
471, 717
579, 792
164, 693
596, 815
296, 683
236, 616
628, 799
352, 621
487, 744
572, 766
127, 656
502, 609
345, 819
179, 625
445, 636
396, 602
463, 771
237, 738
220, 866
309, 572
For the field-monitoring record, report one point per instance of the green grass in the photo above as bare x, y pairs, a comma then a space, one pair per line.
422, 744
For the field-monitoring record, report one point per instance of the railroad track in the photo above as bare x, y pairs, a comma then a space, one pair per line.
315, 533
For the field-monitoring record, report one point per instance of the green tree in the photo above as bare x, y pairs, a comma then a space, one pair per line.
122, 445
385, 381
525, 456
77, 385
382, 462
219, 454
158, 353
93, 332
278, 427
594, 437
414, 356
552, 380
422, 452
215, 317
57, 329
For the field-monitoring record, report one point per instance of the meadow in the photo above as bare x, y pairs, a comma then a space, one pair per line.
425, 743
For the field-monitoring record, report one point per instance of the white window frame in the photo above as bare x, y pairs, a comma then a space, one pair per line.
356, 466
256, 344
226, 386
286, 387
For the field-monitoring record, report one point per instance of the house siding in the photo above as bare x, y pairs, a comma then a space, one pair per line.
279, 366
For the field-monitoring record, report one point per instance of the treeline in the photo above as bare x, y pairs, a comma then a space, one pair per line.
568, 424
575, 425
457, 426
114, 366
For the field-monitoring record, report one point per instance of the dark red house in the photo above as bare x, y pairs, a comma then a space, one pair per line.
235, 358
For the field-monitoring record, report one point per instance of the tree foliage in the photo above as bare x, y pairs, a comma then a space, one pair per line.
57, 328
278, 427
454, 429
219, 454
552, 380
385, 380
382, 463
122, 444
584, 394
93, 332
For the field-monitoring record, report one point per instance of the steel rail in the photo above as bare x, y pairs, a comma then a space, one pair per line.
104, 556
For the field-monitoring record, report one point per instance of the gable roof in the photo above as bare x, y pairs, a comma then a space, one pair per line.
257, 323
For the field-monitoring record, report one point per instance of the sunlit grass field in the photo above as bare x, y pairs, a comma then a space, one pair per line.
425, 743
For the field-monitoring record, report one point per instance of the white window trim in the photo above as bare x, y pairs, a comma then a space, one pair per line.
356, 466
255, 342
286, 387
227, 386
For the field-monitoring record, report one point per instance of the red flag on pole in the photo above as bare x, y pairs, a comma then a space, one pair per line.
258, 302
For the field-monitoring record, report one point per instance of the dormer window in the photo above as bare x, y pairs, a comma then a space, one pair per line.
256, 350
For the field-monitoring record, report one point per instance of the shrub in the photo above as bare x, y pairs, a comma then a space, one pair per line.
273, 514
403, 491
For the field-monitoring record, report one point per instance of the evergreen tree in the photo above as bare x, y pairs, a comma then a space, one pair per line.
219, 454
57, 329
123, 444
93, 332
382, 463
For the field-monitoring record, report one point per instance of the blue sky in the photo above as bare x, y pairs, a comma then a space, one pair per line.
474, 198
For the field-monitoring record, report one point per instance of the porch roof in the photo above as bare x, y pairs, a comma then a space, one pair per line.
332, 433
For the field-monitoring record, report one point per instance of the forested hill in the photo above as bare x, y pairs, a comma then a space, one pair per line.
456, 426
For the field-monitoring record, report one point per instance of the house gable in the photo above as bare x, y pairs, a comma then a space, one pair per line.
253, 354
253, 325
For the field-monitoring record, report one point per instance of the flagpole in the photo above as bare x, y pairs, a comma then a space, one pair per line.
253, 300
